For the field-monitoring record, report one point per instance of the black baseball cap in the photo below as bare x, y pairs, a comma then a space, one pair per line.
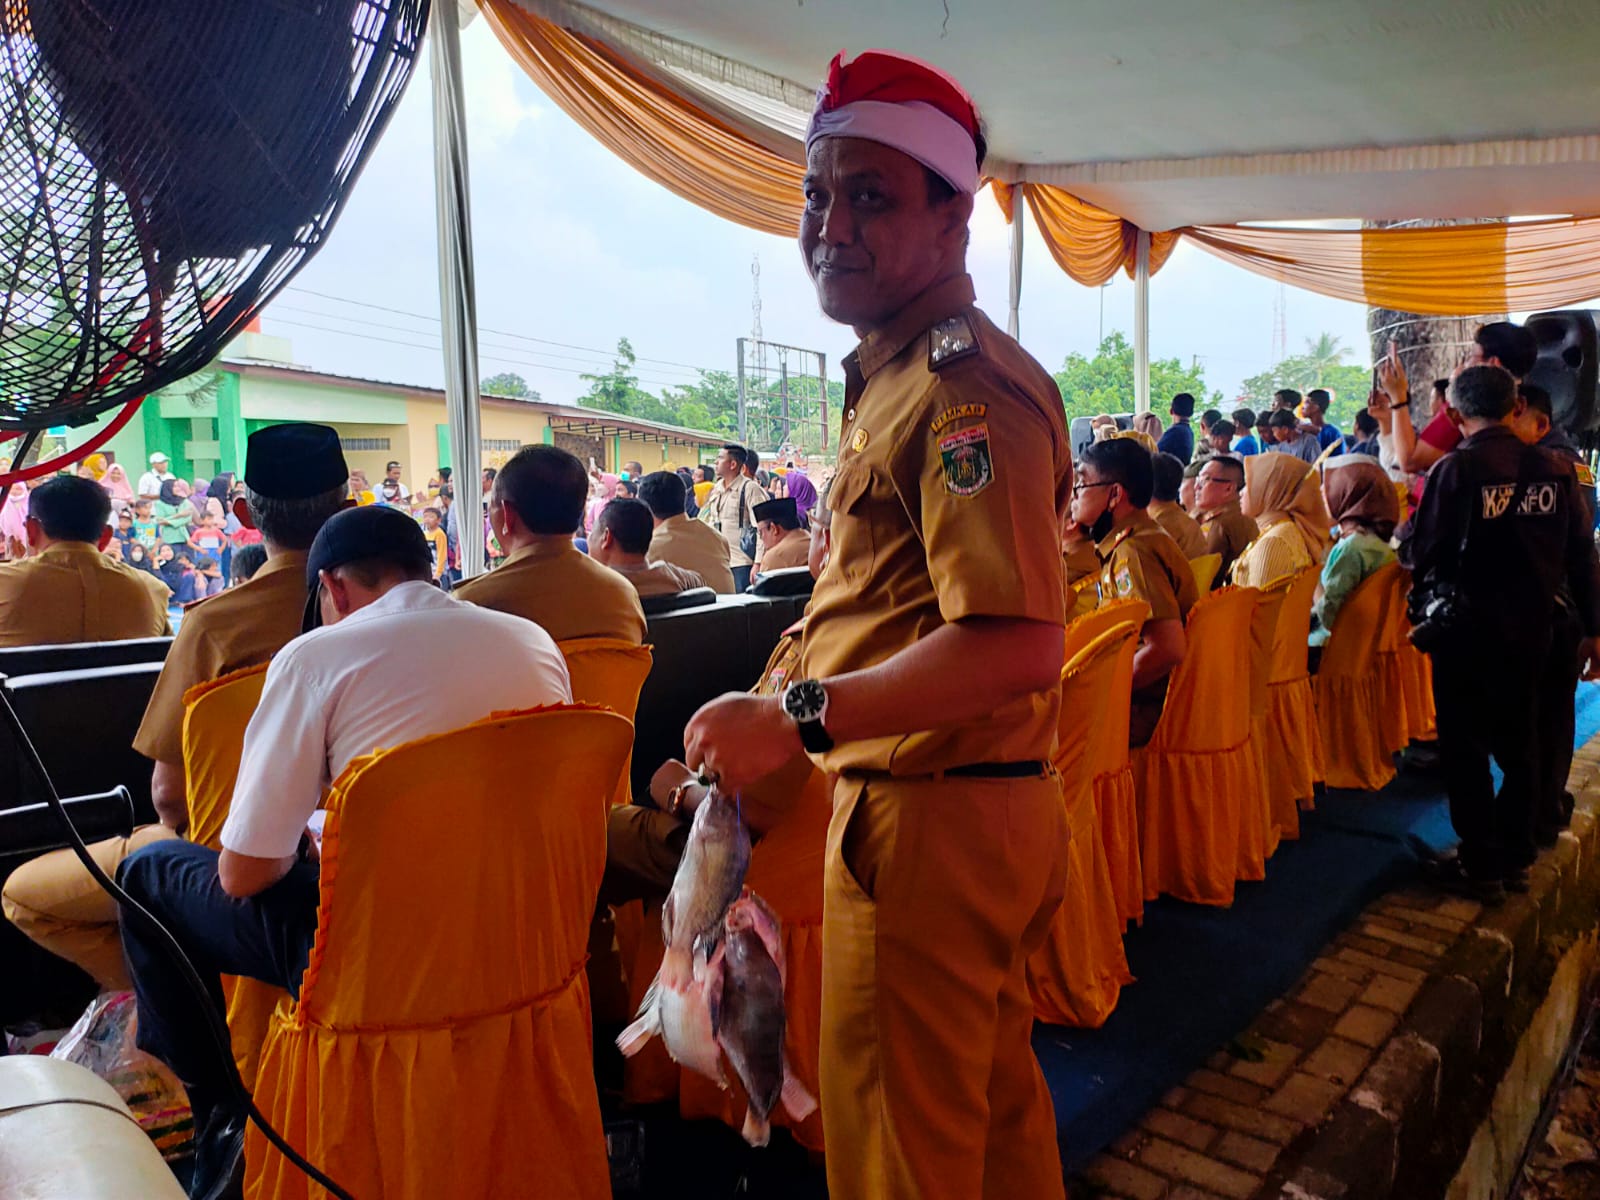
363, 535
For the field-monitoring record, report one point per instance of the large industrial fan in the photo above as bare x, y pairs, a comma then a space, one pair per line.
165, 167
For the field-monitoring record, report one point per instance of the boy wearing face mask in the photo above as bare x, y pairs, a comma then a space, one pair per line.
1139, 560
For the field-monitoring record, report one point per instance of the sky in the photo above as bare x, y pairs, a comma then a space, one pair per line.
576, 249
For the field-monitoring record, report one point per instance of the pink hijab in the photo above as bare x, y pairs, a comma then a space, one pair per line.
115, 482
14, 513
608, 490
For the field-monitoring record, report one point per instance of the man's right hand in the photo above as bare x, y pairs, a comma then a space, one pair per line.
1392, 376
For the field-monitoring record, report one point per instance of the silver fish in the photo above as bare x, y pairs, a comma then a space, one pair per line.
682, 1008
750, 1024
710, 875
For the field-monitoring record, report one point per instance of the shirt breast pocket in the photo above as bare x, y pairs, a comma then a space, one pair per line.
853, 543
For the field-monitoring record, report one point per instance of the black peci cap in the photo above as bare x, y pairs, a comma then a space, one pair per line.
363, 535
294, 461
783, 511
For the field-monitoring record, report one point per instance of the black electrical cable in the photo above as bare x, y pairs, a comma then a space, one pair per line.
216, 1024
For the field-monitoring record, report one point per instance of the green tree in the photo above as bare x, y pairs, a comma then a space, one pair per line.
1104, 383
618, 390
1323, 353
1302, 372
507, 383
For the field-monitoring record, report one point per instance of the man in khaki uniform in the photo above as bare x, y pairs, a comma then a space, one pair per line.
730, 509
535, 503
1166, 512
1140, 561
692, 545
953, 478
620, 539
1227, 530
295, 479
67, 589
783, 543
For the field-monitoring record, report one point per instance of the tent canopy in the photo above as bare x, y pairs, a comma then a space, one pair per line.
1173, 114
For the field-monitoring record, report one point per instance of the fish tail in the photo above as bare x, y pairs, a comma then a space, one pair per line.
796, 1100
756, 1131
632, 1039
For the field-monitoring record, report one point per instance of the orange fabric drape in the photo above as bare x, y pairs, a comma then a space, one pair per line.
659, 133
1295, 765
1088, 243
1448, 270
1350, 687
441, 1045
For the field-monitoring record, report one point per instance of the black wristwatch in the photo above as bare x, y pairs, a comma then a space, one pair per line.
807, 703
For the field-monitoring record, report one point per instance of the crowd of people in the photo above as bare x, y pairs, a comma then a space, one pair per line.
952, 545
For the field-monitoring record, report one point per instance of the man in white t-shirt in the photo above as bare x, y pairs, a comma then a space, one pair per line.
150, 482
385, 669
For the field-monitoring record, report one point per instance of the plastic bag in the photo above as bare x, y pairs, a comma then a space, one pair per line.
103, 1039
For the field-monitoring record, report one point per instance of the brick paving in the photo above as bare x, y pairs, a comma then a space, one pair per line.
1218, 1135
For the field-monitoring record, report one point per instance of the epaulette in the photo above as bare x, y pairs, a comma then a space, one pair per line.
950, 340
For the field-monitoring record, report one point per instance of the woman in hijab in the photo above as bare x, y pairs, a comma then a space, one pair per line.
14, 517
138, 558
804, 494
691, 506
174, 514
115, 482
97, 463
604, 492
1283, 496
1362, 499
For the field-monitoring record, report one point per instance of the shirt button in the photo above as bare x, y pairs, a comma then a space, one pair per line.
850, 415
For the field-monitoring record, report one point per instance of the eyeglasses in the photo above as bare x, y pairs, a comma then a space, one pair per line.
1083, 487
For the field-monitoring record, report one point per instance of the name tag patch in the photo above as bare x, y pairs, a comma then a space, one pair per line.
968, 468
960, 412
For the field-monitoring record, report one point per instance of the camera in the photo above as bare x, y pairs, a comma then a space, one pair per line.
1437, 615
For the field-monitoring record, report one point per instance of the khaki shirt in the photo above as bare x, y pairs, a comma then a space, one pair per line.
1181, 528
954, 474
728, 510
694, 547
241, 627
1227, 532
659, 579
556, 585
72, 592
792, 550
1140, 560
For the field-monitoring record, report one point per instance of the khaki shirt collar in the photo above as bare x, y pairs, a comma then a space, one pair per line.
1222, 510
1124, 526
542, 549
71, 550
882, 346
284, 560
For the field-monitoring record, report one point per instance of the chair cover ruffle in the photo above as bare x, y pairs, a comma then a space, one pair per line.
1116, 804
1352, 688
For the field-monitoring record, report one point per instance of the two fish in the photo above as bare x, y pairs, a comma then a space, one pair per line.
720, 986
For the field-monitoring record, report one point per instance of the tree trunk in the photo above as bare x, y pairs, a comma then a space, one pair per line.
1430, 347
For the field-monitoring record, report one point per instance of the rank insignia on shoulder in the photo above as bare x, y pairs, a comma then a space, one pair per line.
949, 340
1585, 474
968, 468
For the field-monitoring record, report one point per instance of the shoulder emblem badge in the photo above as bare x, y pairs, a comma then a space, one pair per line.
949, 340
858, 442
1585, 474
961, 412
1124, 581
968, 468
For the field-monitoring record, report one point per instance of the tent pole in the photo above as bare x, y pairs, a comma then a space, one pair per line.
1141, 325
458, 301
1014, 317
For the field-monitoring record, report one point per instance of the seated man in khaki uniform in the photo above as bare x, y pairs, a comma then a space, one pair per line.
1227, 530
1168, 513
692, 545
783, 543
67, 590
535, 504
1139, 560
621, 538
295, 479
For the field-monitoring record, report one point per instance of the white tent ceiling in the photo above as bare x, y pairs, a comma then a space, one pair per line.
1178, 112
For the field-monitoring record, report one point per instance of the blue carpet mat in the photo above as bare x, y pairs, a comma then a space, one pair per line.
1205, 974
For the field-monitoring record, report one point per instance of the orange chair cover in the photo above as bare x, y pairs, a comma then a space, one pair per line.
1416, 684
1258, 832
214, 719
1396, 706
1110, 767
609, 672
441, 1043
1205, 570
1077, 975
1290, 732
1350, 687
1085, 629
1196, 775
786, 872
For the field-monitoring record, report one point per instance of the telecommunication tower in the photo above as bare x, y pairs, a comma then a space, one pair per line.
1280, 325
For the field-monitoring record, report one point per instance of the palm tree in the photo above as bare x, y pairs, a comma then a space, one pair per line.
1322, 352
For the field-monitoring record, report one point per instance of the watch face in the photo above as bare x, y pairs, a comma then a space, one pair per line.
804, 700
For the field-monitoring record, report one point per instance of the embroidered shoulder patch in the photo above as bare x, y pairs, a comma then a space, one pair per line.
960, 412
949, 340
1585, 474
968, 468
1123, 581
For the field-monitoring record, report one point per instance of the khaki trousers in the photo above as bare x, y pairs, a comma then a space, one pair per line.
934, 895
57, 903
